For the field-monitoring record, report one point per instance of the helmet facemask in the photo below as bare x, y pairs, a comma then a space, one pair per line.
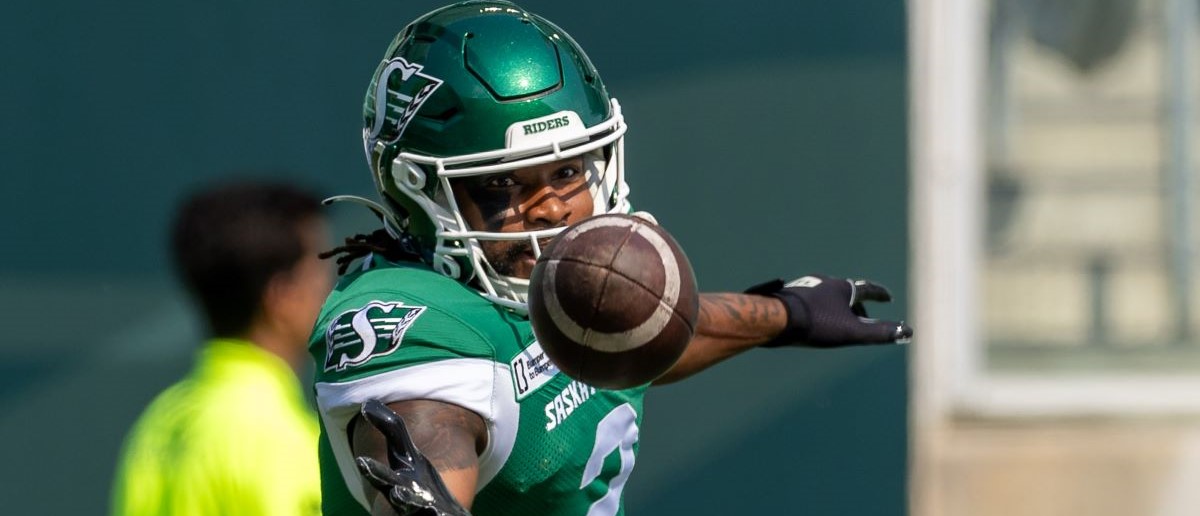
458, 250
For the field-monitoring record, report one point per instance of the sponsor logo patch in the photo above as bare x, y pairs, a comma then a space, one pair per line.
531, 369
374, 330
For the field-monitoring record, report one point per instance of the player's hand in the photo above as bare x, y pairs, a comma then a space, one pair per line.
411, 484
828, 312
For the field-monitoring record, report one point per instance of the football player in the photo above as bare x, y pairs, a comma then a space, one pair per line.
487, 131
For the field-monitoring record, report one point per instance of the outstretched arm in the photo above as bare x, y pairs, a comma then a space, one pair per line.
728, 324
420, 456
813, 311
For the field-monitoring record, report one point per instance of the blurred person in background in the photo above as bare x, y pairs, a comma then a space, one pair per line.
236, 435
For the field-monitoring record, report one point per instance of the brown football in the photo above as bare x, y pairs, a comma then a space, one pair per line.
613, 301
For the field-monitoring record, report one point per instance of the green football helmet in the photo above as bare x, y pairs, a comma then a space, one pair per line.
477, 88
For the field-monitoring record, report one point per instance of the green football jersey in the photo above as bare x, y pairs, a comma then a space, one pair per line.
401, 331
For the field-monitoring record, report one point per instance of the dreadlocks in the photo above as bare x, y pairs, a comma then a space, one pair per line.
378, 242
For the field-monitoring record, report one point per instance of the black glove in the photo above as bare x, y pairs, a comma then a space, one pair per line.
412, 485
827, 312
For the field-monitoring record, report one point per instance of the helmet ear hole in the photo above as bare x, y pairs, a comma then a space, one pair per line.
448, 266
408, 175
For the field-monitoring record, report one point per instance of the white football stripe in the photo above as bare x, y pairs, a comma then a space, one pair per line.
617, 341
341, 337
341, 340
373, 320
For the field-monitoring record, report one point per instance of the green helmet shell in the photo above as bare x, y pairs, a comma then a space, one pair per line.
455, 79
476, 88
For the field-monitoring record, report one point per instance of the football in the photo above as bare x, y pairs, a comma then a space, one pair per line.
613, 301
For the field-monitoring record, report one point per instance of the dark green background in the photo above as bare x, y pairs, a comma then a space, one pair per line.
769, 137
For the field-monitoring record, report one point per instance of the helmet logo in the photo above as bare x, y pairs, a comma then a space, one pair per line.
399, 90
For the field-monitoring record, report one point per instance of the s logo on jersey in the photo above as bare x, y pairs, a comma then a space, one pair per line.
397, 92
357, 336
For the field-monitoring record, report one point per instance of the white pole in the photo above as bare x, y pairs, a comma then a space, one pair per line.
946, 68
1180, 113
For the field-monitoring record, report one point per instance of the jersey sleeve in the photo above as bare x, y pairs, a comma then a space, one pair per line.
417, 343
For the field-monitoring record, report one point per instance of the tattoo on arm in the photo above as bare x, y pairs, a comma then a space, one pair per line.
728, 324
740, 316
450, 436
440, 429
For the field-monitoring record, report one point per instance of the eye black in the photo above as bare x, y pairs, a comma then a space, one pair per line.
499, 182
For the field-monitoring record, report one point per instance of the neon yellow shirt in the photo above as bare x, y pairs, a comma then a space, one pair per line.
233, 437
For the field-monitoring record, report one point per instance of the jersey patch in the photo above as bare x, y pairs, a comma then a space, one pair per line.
374, 330
531, 368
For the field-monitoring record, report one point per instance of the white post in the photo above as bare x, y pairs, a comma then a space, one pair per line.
947, 55
1178, 90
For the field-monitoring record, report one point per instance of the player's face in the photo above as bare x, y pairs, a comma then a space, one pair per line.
526, 199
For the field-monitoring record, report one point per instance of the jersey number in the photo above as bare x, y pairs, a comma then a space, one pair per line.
617, 431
